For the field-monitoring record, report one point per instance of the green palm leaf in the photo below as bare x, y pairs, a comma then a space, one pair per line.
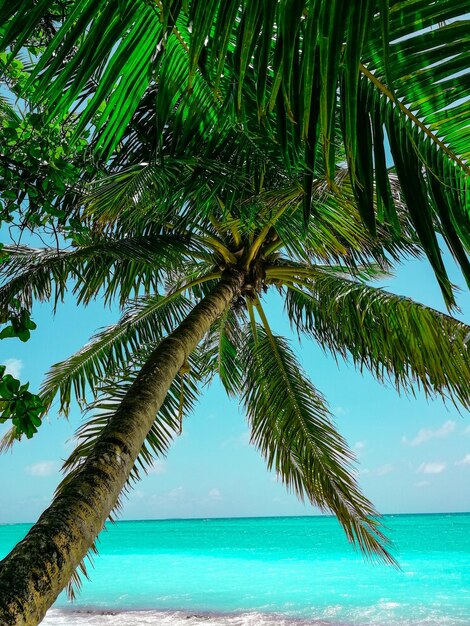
433, 186
145, 323
164, 191
413, 346
283, 63
292, 427
179, 401
114, 267
332, 237
220, 351
428, 60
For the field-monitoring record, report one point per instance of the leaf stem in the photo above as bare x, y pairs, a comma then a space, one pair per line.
258, 242
195, 282
386, 91
264, 321
249, 306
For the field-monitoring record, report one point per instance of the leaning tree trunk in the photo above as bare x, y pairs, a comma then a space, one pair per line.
40, 566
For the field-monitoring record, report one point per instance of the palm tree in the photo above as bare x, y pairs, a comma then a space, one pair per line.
191, 266
318, 75
321, 81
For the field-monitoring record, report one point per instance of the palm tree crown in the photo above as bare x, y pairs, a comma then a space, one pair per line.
158, 258
324, 79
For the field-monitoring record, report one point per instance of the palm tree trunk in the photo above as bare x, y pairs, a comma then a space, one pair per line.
41, 565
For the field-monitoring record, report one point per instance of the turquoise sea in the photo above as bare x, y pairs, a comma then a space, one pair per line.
282, 571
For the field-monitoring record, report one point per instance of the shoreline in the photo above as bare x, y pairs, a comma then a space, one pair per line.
94, 616
188, 617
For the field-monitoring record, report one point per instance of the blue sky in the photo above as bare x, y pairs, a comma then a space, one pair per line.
413, 454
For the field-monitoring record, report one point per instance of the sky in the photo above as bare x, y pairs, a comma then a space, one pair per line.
413, 455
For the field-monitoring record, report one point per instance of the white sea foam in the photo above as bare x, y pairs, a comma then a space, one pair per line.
328, 616
58, 617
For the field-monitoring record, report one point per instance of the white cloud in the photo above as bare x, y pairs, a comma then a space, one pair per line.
384, 469
158, 467
466, 431
137, 495
464, 461
237, 441
214, 494
13, 367
425, 434
340, 410
435, 467
42, 468
177, 493
422, 483
359, 445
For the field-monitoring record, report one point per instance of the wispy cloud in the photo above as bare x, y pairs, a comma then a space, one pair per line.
42, 468
340, 410
464, 461
466, 431
422, 483
237, 441
382, 470
177, 493
214, 494
435, 467
359, 448
425, 434
13, 367
136, 495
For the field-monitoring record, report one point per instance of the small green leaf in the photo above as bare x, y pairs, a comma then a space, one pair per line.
9, 331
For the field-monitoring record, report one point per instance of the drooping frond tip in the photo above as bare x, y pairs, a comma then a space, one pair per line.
292, 427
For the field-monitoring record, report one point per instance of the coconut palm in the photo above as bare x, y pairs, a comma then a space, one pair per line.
321, 80
189, 247
318, 75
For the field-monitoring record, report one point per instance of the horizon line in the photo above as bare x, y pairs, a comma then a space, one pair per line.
247, 517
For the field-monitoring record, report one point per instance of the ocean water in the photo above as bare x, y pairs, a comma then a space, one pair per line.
286, 571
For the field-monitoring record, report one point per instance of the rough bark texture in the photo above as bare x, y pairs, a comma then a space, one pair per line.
40, 566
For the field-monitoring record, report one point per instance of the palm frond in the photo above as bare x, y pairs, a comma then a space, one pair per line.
114, 267
144, 324
8, 439
292, 427
420, 91
337, 232
290, 68
138, 41
179, 401
7, 111
164, 191
428, 66
433, 187
220, 351
107, 199
397, 339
